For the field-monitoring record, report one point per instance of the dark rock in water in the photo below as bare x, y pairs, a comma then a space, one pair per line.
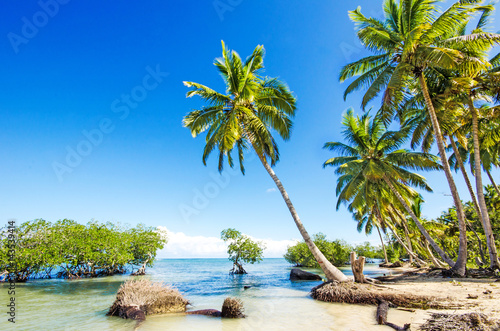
297, 274
246, 287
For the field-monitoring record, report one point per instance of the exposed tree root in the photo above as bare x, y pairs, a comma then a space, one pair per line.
349, 292
148, 297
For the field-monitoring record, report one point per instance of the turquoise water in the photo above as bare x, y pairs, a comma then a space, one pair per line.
272, 303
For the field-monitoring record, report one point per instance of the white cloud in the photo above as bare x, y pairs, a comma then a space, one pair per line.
271, 190
181, 245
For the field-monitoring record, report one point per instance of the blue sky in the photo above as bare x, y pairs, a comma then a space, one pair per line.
66, 81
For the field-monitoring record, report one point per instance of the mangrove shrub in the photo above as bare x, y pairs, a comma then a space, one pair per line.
71, 250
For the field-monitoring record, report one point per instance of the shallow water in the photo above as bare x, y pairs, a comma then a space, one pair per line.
272, 303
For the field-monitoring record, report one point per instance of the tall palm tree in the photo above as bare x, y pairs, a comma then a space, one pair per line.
482, 150
244, 117
472, 87
454, 123
373, 155
414, 39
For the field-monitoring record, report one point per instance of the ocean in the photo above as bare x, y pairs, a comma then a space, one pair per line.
272, 302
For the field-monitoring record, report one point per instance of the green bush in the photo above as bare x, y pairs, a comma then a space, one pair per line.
369, 251
336, 251
75, 250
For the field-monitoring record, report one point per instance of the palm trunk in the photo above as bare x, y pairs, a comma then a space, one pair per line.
424, 232
459, 266
466, 177
492, 181
400, 241
383, 245
435, 261
472, 194
331, 272
490, 240
408, 250
408, 240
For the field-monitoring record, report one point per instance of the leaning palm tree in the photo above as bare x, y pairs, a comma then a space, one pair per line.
244, 117
415, 39
373, 155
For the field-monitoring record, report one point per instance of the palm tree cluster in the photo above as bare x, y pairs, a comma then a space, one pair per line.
433, 75
431, 70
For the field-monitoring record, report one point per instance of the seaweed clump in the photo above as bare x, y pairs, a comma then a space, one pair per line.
232, 308
466, 322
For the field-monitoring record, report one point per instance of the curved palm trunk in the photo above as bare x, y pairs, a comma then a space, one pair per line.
408, 240
400, 241
459, 266
466, 177
383, 245
490, 239
424, 232
331, 272
472, 195
435, 261
492, 181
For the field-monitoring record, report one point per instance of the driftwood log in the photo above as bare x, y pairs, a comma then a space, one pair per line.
206, 312
382, 310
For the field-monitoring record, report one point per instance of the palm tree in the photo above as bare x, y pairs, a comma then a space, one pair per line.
373, 156
482, 150
474, 86
244, 117
369, 218
374, 206
413, 40
454, 123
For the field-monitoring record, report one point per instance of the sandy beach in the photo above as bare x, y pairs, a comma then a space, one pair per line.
461, 295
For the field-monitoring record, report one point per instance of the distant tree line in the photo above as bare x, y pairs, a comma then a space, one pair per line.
68, 249
336, 251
